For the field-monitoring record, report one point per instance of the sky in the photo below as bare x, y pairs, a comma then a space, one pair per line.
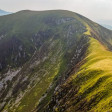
96, 10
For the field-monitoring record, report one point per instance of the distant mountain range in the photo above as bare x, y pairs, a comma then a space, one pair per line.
2, 12
107, 26
105, 23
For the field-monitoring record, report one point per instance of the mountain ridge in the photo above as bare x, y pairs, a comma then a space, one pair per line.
49, 63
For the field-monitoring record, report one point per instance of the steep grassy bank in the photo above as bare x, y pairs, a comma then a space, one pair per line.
90, 89
95, 78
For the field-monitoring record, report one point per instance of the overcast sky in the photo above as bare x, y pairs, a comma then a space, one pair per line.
93, 9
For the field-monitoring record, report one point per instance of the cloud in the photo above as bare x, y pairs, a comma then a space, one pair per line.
93, 9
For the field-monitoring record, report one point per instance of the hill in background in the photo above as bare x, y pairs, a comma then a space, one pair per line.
2, 12
107, 26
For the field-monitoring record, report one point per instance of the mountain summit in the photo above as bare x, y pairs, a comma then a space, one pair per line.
2, 12
54, 61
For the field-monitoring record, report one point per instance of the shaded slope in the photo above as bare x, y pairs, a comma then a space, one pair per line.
54, 36
24, 32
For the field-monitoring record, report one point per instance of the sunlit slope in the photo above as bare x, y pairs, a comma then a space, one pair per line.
95, 78
90, 89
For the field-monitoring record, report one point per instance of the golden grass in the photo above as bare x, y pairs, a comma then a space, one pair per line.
95, 76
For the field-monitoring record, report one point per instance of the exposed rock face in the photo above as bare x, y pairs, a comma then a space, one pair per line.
53, 21
12, 53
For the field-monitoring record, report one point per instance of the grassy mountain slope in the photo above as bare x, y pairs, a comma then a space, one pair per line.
26, 31
66, 66
90, 88
47, 42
